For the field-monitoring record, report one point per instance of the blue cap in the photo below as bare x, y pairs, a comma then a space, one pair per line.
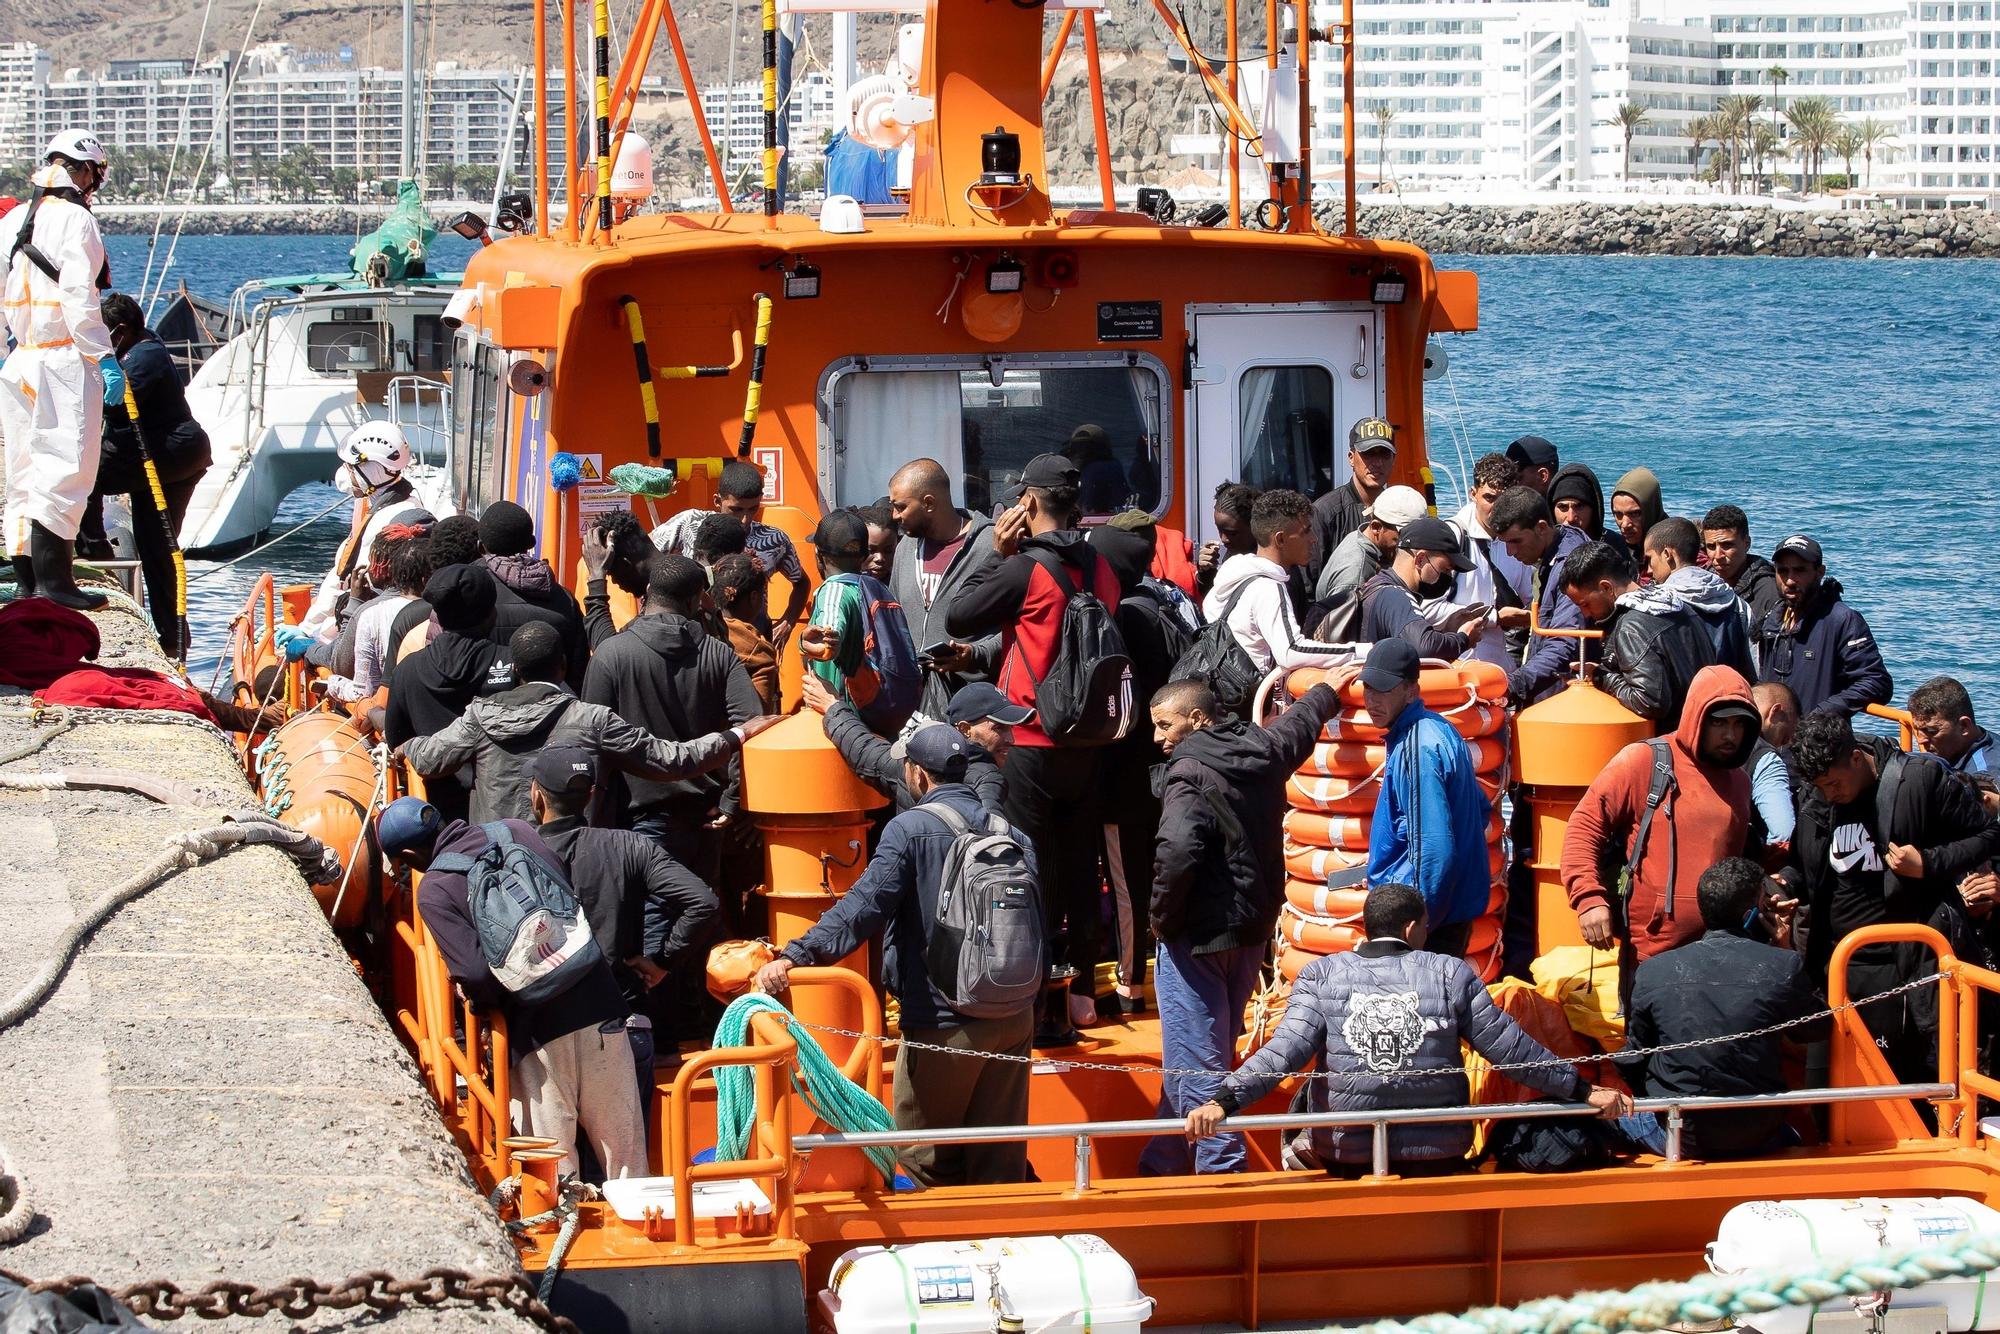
408, 824
939, 751
1391, 663
981, 700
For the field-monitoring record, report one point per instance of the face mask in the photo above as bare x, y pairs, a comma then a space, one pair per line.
345, 482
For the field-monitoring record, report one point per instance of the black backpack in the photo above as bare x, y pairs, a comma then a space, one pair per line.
1215, 659
1085, 697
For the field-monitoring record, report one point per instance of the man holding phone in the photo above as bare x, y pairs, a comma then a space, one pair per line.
1427, 552
940, 548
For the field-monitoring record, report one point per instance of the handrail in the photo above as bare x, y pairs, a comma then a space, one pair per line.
772, 1134
1905, 722
1851, 1026
1379, 1122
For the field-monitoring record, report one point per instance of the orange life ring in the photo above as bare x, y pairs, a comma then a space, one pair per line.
1355, 759
318, 774
1496, 901
1312, 829
1355, 796
1314, 865
1319, 901
1320, 935
1486, 960
1480, 720
1292, 960
1449, 686
1485, 934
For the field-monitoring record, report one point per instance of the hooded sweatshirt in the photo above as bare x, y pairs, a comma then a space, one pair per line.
1254, 594
529, 592
927, 616
1574, 481
1703, 818
1659, 637
1644, 487
501, 734
1721, 612
663, 673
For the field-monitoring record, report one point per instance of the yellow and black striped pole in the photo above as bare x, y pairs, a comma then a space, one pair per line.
166, 523
770, 115
753, 397
601, 34
650, 400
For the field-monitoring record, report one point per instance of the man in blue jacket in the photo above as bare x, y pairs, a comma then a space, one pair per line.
1814, 642
898, 896
1522, 520
1430, 821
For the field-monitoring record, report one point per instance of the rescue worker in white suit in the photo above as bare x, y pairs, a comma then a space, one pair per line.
372, 460
55, 381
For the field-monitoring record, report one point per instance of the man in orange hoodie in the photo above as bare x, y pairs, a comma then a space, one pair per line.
1700, 815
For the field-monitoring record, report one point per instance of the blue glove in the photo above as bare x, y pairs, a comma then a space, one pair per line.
292, 641
114, 381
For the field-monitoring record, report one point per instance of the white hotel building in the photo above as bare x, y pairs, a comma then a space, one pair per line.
1511, 95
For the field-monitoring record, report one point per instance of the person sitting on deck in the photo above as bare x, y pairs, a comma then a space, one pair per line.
1726, 982
940, 1079
571, 1061
1385, 1021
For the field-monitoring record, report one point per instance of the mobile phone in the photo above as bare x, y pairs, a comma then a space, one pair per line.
928, 653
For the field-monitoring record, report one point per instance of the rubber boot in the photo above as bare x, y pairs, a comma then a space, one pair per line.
24, 576
54, 578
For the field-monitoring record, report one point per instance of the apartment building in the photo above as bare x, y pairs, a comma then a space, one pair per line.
1952, 134
735, 114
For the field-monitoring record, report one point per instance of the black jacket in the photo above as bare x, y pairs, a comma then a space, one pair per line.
529, 592
663, 673
1334, 516
1719, 984
1215, 887
177, 442
638, 899
428, 692
1929, 809
1650, 660
870, 758
1757, 585
441, 899
1389, 611
1829, 658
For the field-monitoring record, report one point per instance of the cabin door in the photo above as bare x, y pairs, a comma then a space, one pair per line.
1273, 391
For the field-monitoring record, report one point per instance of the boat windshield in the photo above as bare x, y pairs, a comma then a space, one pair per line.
985, 421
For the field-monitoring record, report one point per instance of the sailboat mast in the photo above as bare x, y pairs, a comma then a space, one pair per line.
408, 166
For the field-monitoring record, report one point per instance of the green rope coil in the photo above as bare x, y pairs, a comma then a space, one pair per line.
838, 1100
1711, 1297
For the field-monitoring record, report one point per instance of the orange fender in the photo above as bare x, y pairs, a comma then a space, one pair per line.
1445, 687
1481, 720
1354, 759
319, 774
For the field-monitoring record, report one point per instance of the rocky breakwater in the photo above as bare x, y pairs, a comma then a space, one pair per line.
1678, 229
243, 219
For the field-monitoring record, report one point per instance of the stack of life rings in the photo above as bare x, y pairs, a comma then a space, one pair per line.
1332, 799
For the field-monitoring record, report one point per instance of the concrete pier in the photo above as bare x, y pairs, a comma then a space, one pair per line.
211, 1093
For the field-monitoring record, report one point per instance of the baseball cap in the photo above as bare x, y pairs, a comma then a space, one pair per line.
1532, 451
1391, 663
1802, 545
980, 699
842, 533
940, 751
462, 596
408, 824
564, 769
1429, 534
1049, 470
1371, 433
1397, 506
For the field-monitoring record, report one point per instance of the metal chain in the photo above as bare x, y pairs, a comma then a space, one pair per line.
1628, 1054
297, 1298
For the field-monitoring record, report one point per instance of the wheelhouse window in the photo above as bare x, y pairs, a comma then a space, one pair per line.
1286, 429
343, 346
984, 420
431, 344
477, 421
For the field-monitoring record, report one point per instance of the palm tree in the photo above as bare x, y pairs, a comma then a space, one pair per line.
1814, 123
1738, 111
1384, 113
1846, 142
1628, 118
1779, 77
1701, 129
1874, 134
1764, 146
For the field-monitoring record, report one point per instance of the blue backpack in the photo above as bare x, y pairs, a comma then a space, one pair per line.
898, 684
532, 931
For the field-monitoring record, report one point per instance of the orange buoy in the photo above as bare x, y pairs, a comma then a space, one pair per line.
1312, 829
1479, 720
1444, 687
1318, 900
1315, 865
317, 775
1320, 935
1292, 961
1355, 796
1354, 759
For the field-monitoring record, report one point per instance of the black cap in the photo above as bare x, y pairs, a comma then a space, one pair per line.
1531, 451
1432, 534
1391, 663
940, 752
1371, 433
1050, 470
981, 700
505, 529
462, 596
842, 533
564, 769
1800, 544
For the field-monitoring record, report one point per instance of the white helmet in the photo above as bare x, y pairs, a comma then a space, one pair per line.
632, 169
373, 456
77, 146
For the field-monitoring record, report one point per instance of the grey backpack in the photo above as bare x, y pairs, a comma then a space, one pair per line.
532, 930
986, 950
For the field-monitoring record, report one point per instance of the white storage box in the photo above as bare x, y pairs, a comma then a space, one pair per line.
630, 1197
1061, 1284
1769, 1235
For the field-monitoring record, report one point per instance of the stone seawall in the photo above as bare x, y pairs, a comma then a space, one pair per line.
245, 220
1679, 229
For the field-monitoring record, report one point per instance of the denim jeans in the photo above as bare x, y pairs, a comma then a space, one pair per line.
1201, 998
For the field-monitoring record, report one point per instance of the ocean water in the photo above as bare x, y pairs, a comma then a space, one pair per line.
1855, 400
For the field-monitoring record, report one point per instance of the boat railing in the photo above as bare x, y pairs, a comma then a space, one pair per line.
1906, 725
421, 405
253, 646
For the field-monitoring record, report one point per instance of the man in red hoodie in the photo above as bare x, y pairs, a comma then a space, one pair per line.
1699, 816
